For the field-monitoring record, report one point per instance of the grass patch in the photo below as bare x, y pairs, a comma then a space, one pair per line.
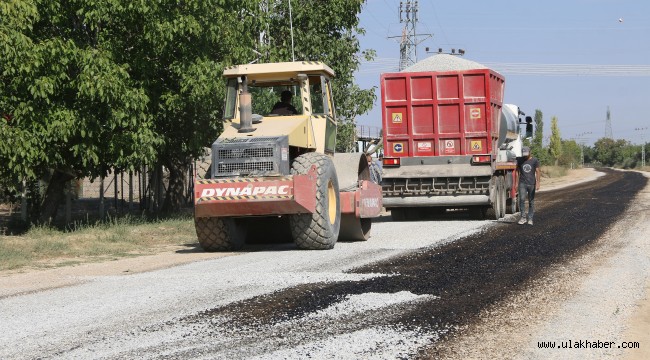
45, 246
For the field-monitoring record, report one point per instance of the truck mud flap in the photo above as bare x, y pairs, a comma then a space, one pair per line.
255, 196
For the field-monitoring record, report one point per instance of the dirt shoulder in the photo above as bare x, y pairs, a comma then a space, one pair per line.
33, 280
573, 176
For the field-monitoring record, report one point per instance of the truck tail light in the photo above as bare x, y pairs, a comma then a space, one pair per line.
481, 159
390, 162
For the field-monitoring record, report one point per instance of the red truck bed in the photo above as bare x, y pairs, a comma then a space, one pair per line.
441, 113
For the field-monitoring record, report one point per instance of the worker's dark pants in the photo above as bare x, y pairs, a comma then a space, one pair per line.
527, 191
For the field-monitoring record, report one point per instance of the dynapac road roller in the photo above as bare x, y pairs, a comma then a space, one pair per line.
274, 169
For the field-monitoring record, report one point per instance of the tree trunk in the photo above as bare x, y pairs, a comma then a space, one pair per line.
175, 198
53, 196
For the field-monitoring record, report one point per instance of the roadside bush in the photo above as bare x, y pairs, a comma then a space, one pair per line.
553, 171
629, 163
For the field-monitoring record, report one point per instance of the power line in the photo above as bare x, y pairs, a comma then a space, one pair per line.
367, 9
435, 14
390, 64
569, 69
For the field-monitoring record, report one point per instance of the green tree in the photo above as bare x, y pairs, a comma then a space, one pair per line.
571, 153
539, 130
555, 145
74, 110
93, 86
610, 152
537, 145
327, 32
177, 51
589, 154
630, 154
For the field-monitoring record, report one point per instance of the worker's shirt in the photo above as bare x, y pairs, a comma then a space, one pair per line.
527, 170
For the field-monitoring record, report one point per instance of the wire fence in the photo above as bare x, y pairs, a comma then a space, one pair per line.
118, 194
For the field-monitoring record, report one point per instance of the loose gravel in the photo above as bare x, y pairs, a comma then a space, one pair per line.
116, 315
444, 62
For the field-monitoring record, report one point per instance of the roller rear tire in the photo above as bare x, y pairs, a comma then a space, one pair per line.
219, 234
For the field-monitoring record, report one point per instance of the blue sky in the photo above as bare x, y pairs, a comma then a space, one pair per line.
534, 32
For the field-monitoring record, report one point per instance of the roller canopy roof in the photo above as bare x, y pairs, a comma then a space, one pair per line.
297, 67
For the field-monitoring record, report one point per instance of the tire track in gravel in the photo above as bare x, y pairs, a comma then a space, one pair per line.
463, 277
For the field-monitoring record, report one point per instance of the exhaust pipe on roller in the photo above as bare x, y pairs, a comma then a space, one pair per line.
245, 109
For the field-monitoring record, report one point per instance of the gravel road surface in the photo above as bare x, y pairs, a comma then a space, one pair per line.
423, 289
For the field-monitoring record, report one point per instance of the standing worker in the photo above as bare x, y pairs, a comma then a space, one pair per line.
375, 171
529, 173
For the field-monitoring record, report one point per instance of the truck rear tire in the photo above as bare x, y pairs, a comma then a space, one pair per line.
478, 212
320, 230
513, 205
398, 214
496, 197
219, 234
503, 195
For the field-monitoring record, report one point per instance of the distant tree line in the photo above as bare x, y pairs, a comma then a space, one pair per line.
571, 152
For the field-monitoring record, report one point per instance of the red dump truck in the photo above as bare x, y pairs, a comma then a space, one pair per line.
449, 141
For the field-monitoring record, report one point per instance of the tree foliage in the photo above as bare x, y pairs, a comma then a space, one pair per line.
97, 86
327, 32
571, 153
72, 109
537, 145
610, 152
605, 151
555, 144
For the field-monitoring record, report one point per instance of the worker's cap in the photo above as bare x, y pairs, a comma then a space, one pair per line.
525, 151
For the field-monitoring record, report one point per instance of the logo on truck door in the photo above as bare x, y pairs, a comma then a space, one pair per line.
397, 118
424, 146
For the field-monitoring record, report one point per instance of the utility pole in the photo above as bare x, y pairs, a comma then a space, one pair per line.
293, 54
642, 130
408, 14
582, 140
608, 125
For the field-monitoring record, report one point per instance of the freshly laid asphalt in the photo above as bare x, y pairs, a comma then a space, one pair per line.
464, 276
